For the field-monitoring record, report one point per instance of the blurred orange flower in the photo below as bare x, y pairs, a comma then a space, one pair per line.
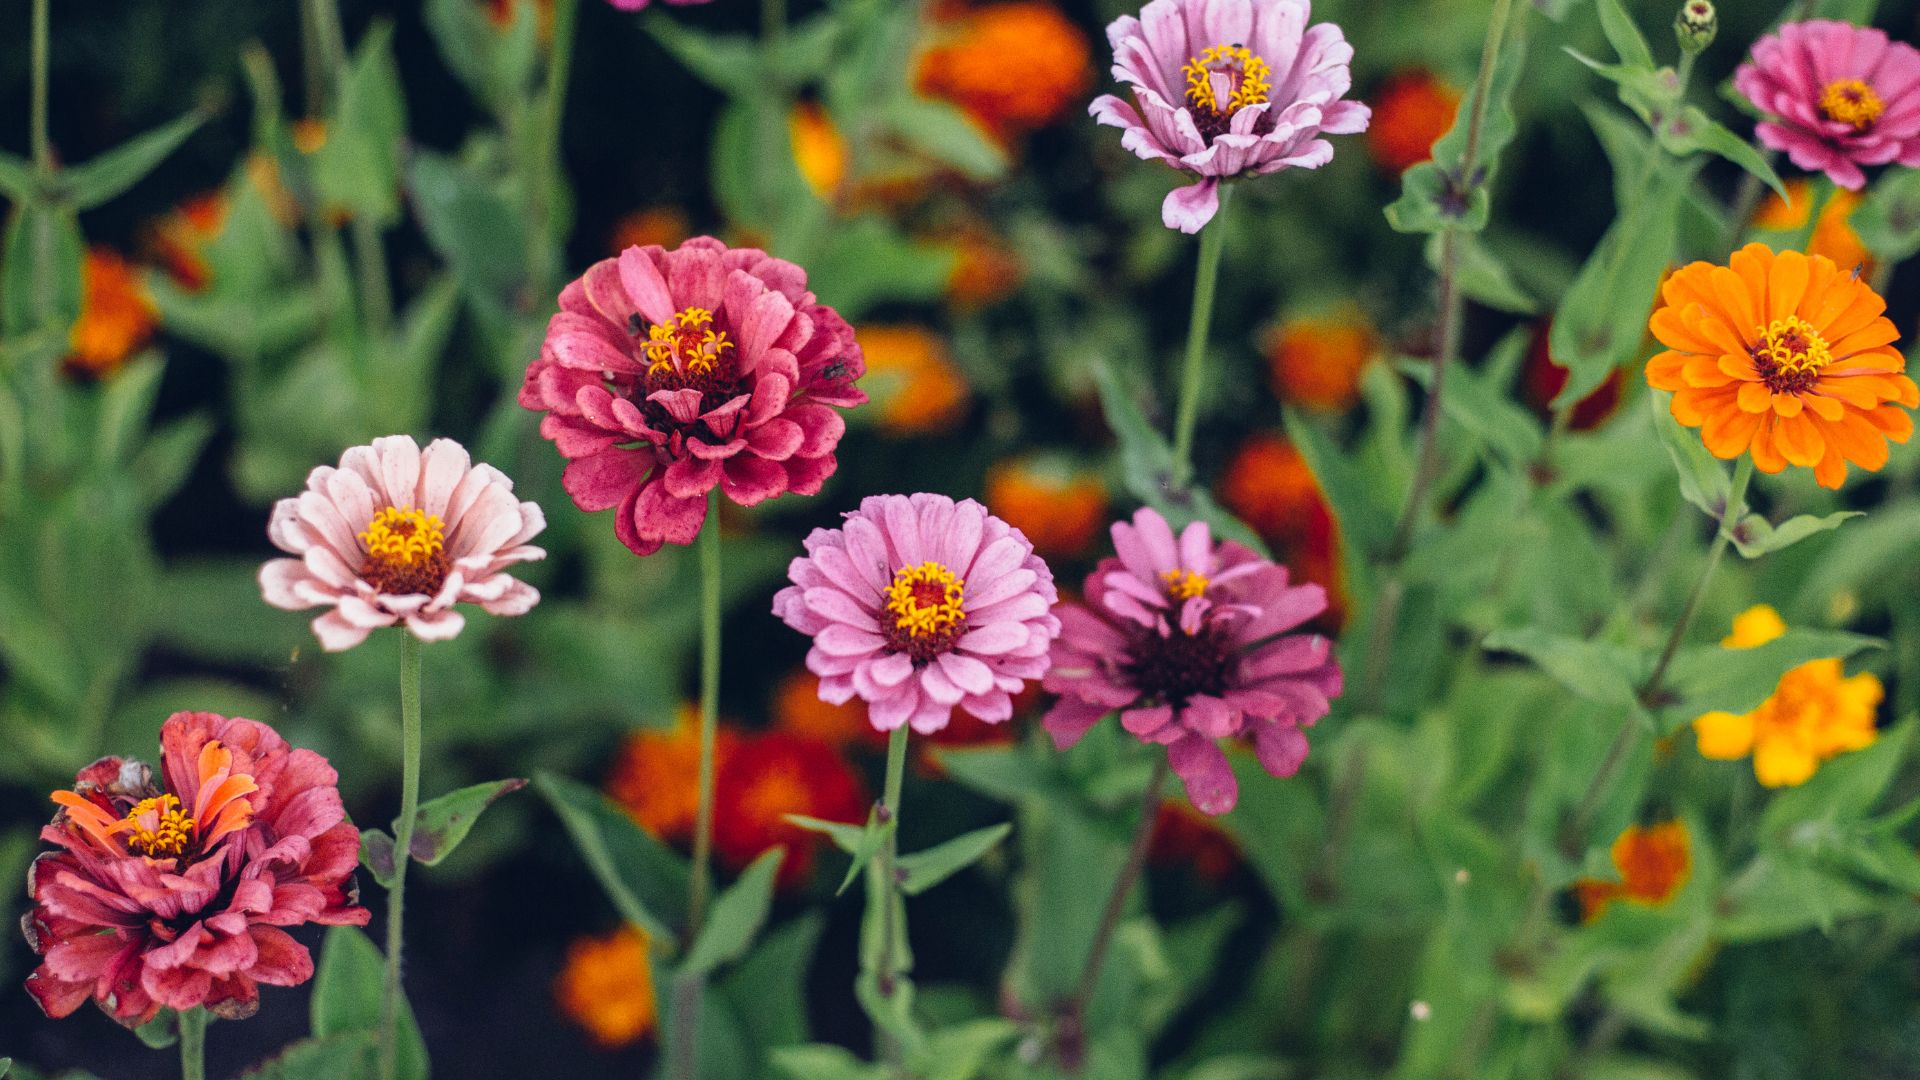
1411, 110
1653, 863
502, 13
819, 150
178, 241
797, 709
1012, 66
1833, 236
656, 775
985, 270
1183, 836
768, 776
607, 987
666, 226
915, 388
116, 316
1318, 361
1060, 508
1269, 486
1543, 379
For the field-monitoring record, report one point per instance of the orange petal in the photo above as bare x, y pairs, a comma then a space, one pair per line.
1800, 441
1755, 397
1705, 371
1663, 371
1880, 331
1826, 408
1671, 329
1765, 448
1724, 736
1734, 296
1787, 404
1728, 432
1786, 284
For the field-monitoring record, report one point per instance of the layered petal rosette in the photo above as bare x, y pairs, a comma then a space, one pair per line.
1227, 88
920, 605
1837, 97
179, 894
1192, 643
397, 535
669, 373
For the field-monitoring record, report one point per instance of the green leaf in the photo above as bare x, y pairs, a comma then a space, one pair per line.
1712, 678
442, 823
768, 989
41, 280
1625, 37
1351, 493
160, 1032
470, 225
1755, 537
1596, 670
338, 1058
358, 169
641, 875
922, 870
1776, 897
721, 61
1703, 480
962, 1051
376, 854
822, 1061
167, 458
87, 186
1888, 220
1482, 276
944, 133
348, 994
1695, 130
17, 179
736, 917
863, 842
1450, 192
1474, 402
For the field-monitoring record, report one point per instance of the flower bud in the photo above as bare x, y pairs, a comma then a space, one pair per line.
1696, 25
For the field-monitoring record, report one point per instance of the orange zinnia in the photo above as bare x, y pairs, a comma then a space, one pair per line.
1012, 66
1318, 361
1833, 236
1411, 111
1653, 862
607, 987
1787, 356
655, 778
1060, 508
116, 316
916, 389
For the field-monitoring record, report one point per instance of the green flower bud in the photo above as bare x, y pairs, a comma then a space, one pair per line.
1696, 25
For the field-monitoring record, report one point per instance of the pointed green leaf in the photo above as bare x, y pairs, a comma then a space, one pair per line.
1755, 536
1703, 480
442, 823
722, 61
822, 1061
87, 186
340, 1057
961, 1052
1712, 678
946, 134
643, 878
922, 870
348, 992
1596, 670
736, 917
1695, 130
863, 842
1351, 493
1625, 37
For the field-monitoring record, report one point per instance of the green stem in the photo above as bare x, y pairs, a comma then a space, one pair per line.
402, 849
42, 63
193, 1039
1123, 885
702, 880
543, 245
1213, 240
773, 35
887, 978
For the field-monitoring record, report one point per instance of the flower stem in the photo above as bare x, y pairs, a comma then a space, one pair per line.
42, 63
886, 978
402, 849
1193, 377
702, 881
1075, 1012
193, 1035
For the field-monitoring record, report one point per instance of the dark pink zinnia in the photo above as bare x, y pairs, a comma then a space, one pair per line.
1837, 97
176, 895
1189, 640
667, 373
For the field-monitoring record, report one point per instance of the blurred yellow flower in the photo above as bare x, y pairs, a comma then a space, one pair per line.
1653, 862
1833, 236
914, 386
1060, 509
607, 987
1318, 361
1755, 627
1816, 712
116, 315
818, 149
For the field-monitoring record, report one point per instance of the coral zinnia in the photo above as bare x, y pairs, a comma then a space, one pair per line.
1228, 88
916, 388
1653, 862
607, 986
668, 373
1058, 507
398, 535
1785, 355
655, 775
1318, 361
1189, 640
176, 895
117, 316
1012, 66
918, 605
769, 776
1413, 109
1837, 96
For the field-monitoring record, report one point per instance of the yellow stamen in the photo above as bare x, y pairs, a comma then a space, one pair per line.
399, 537
157, 828
1851, 102
1792, 346
1184, 584
1248, 78
690, 344
925, 600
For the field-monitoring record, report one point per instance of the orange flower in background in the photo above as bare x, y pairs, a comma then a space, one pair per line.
116, 316
1183, 836
915, 388
1411, 110
1012, 66
1060, 508
1269, 486
1318, 361
797, 709
984, 271
666, 226
656, 776
179, 240
1786, 357
1815, 713
1653, 863
1542, 380
607, 987
819, 150
503, 13
766, 777
1833, 236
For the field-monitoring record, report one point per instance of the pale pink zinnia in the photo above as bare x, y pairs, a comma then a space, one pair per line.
1228, 88
180, 894
667, 373
919, 604
395, 535
1190, 641
1837, 96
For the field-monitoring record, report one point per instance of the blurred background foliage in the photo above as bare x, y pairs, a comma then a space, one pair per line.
263, 232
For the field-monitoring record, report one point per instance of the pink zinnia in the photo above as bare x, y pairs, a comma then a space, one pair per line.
1228, 88
919, 604
395, 535
1837, 96
177, 895
1188, 639
667, 373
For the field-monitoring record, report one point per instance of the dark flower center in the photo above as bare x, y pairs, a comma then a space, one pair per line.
1173, 667
925, 602
406, 552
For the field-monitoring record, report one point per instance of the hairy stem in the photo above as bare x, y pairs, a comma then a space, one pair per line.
402, 850
889, 870
193, 1040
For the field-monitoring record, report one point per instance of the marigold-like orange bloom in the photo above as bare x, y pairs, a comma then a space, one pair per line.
1833, 236
1011, 66
178, 241
1318, 361
116, 315
1060, 508
1411, 110
656, 777
819, 150
1653, 862
1815, 713
765, 778
664, 226
607, 987
1269, 486
984, 270
797, 709
1784, 356
914, 387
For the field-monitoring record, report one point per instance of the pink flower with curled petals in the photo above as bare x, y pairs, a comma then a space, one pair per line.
918, 605
669, 373
397, 535
1837, 97
179, 895
1190, 641
1228, 88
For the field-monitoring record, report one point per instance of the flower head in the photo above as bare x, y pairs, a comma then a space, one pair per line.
117, 317
773, 774
397, 535
1059, 508
1318, 361
669, 373
1837, 97
1833, 234
655, 774
819, 150
985, 270
1653, 862
918, 605
607, 987
1190, 641
1787, 356
1228, 88
176, 894
916, 388
1412, 110
1012, 66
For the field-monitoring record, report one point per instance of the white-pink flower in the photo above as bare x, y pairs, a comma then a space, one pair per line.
397, 535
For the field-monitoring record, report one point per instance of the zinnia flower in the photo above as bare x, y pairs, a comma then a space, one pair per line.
1785, 355
1654, 863
916, 388
1228, 88
819, 150
1816, 713
773, 774
1318, 361
1012, 66
918, 605
1057, 507
655, 775
607, 987
985, 270
1412, 110
177, 895
398, 535
797, 708
1837, 96
1268, 485
668, 373
117, 316
664, 225
1833, 235
1189, 640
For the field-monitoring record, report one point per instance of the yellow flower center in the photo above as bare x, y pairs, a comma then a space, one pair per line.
1184, 584
690, 346
925, 601
1851, 102
1223, 79
157, 828
399, 537
1789, 347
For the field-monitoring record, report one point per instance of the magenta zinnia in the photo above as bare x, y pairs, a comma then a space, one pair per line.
1189, 640
1837, 97
1228, 88
178, 894
668, 373
919, 604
